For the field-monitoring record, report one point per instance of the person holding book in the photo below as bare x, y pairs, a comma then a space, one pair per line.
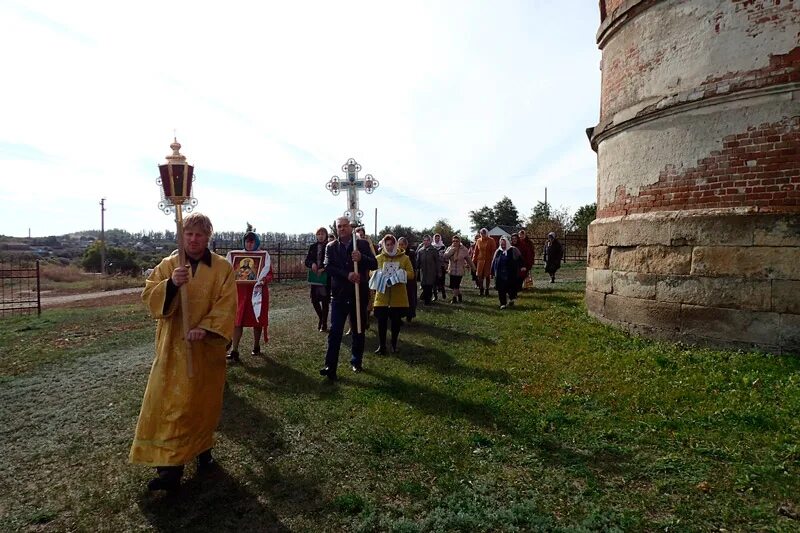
318, 279
389, 282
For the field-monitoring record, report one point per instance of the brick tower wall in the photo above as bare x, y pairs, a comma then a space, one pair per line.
698, 188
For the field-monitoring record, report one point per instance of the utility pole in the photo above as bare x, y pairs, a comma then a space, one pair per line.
546, 206
376, 222
102, 236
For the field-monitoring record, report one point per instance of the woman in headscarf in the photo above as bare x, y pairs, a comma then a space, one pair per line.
318, 280
522, 270
458, 259
411, 285
252, 309
389, 283
505, 269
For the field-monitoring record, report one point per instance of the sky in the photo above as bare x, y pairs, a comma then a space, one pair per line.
450, 104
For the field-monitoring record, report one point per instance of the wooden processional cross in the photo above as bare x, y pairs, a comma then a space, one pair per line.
353, 184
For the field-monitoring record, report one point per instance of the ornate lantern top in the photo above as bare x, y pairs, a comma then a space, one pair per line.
176, 157
175, 178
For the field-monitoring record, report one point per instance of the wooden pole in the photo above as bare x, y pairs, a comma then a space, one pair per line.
358, 291
183, 292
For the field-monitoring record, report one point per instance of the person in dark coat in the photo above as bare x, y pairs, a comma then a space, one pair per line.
553, 253
411, 285
522, 270
438, 243
340, 257
505, 270
429, 265
320, 293
526, 248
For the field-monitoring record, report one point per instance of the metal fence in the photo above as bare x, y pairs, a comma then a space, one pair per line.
287, 258
574, 245
20, 288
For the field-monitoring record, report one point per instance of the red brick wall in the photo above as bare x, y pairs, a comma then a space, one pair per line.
758, 167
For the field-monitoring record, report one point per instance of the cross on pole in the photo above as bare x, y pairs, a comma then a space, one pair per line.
352, 184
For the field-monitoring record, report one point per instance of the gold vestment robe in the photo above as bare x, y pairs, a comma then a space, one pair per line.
180, 414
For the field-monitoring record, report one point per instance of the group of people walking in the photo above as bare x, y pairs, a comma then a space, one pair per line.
387, 279
348, 279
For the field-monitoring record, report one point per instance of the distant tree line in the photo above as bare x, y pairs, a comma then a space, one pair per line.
543, 218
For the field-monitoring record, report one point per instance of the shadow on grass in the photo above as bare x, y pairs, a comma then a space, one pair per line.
214, 503
563, 297
446, 364
285, 379
449, 333
528, 426
449, 309
259, 433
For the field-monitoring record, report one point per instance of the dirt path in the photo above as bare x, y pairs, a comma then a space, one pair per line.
52, 301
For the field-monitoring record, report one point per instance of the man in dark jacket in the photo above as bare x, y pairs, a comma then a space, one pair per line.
340, 256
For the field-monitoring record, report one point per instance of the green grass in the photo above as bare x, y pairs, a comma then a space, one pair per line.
535, 418
28, 341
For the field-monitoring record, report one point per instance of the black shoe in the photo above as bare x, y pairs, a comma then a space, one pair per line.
395, 349
233, 357
326, 371
168, 479
460, 299
206, 462
256, 351
381, 350
356, 368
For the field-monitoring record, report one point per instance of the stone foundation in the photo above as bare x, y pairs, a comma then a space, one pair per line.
720, 277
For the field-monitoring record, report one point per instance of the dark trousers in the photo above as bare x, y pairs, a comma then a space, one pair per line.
506, 289
321, 302
427, 291
340, 309
411, 291
386, 315
440, 283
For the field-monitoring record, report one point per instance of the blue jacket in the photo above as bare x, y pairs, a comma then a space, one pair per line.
339, 263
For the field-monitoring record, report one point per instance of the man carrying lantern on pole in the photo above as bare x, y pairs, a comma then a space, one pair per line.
192, 294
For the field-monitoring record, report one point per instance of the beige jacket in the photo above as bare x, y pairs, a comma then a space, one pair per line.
458, 260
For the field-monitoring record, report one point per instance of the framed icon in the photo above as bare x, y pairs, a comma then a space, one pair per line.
247, 266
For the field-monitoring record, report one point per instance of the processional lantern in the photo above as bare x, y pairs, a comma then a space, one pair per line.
175, 178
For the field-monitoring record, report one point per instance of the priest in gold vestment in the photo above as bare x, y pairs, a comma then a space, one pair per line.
180, 413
